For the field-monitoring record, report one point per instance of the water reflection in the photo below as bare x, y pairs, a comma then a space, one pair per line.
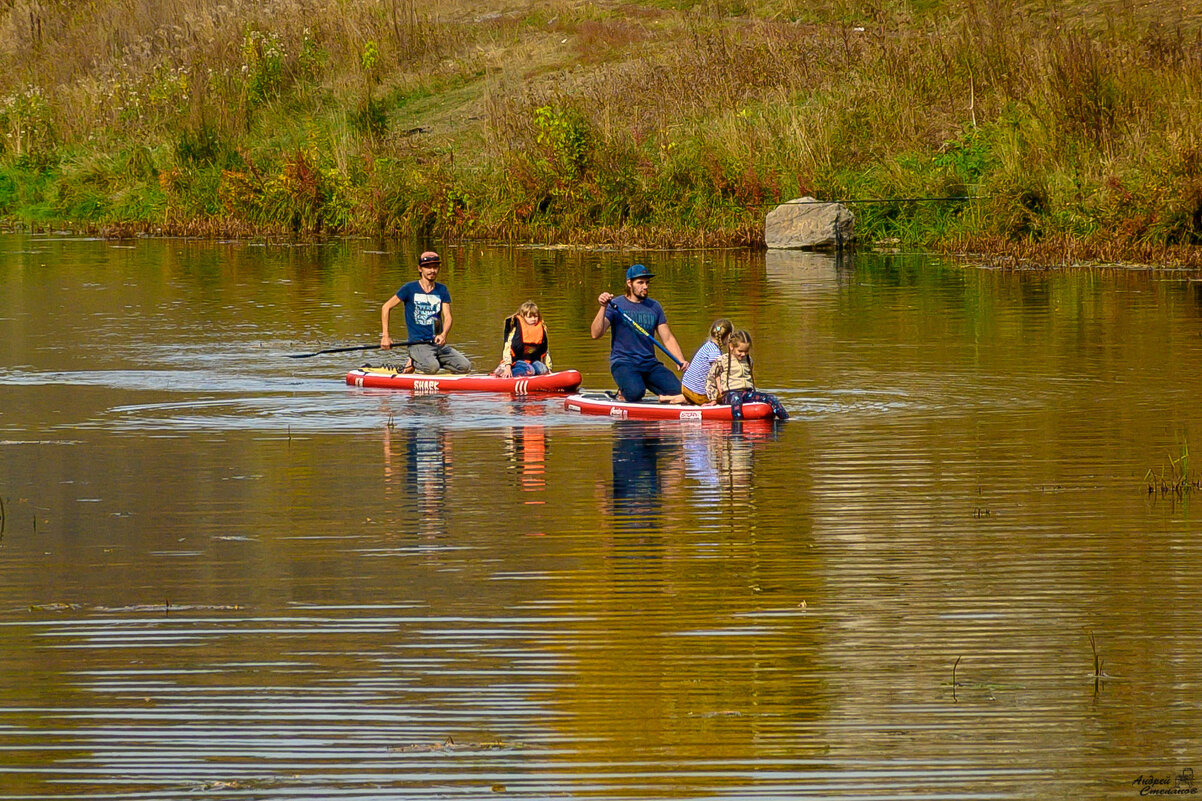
653, 460
801, 271
426, 453
639, 449
720, 457
526, 450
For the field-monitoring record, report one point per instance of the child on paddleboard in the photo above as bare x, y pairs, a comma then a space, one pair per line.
730, 380
692, 383
526, 344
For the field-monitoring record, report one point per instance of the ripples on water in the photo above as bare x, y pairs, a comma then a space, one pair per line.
224, 573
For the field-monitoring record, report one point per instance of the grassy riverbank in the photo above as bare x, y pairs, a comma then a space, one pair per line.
670, 123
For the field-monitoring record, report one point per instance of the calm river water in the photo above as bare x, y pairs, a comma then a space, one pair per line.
226, 574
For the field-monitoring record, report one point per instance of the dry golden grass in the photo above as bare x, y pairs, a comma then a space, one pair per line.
1064, 251
631, 123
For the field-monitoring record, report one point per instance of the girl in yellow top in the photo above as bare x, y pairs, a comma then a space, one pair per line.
730, 380
526, 344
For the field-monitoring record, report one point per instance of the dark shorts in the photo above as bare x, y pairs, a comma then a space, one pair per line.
633, 382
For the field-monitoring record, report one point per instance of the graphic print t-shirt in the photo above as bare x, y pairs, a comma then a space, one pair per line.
628, 346
423, 310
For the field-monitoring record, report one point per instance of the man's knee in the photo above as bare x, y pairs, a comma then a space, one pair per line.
629, 381
632, 390
663, 381
456, 362
425, 360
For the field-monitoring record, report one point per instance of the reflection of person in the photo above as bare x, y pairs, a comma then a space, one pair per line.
632, 360
427, 320
692, 383
526, 350
699, 458
427, 467
636, 479
428, 459
730, 379
733, 461
527, 450
721, 459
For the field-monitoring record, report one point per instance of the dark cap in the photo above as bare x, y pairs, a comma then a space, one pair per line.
638, 271
429, 257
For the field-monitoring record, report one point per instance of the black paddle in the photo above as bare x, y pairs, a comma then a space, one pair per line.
356, 347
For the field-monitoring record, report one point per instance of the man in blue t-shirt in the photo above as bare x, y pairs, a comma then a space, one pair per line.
632, 360
427, 320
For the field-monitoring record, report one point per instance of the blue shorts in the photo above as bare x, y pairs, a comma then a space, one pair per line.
633, 382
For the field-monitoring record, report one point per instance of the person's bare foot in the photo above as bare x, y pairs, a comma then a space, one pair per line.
671, 398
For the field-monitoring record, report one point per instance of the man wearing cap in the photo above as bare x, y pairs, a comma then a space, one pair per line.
632, 360
427, 320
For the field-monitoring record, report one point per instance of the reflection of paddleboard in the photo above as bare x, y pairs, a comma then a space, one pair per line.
598, 403
391, 378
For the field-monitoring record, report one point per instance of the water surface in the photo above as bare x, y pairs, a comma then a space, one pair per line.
225, 573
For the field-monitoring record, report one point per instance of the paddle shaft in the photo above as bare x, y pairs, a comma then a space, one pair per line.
355, 347
646, 333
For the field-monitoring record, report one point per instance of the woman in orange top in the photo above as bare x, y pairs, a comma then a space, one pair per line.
526, 344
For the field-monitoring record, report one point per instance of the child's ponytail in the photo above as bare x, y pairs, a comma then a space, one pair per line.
720, 331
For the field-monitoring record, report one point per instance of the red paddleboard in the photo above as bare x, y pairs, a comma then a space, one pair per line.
390, 378
596, 403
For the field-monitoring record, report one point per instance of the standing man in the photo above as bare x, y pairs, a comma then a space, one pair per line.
427, 320
632, 360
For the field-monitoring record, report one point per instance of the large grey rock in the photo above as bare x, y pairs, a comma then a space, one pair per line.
809, 223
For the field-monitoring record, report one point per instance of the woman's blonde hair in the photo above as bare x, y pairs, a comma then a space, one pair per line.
720, 330
526, 308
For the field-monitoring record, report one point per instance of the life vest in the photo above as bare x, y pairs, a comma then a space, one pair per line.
529, 342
